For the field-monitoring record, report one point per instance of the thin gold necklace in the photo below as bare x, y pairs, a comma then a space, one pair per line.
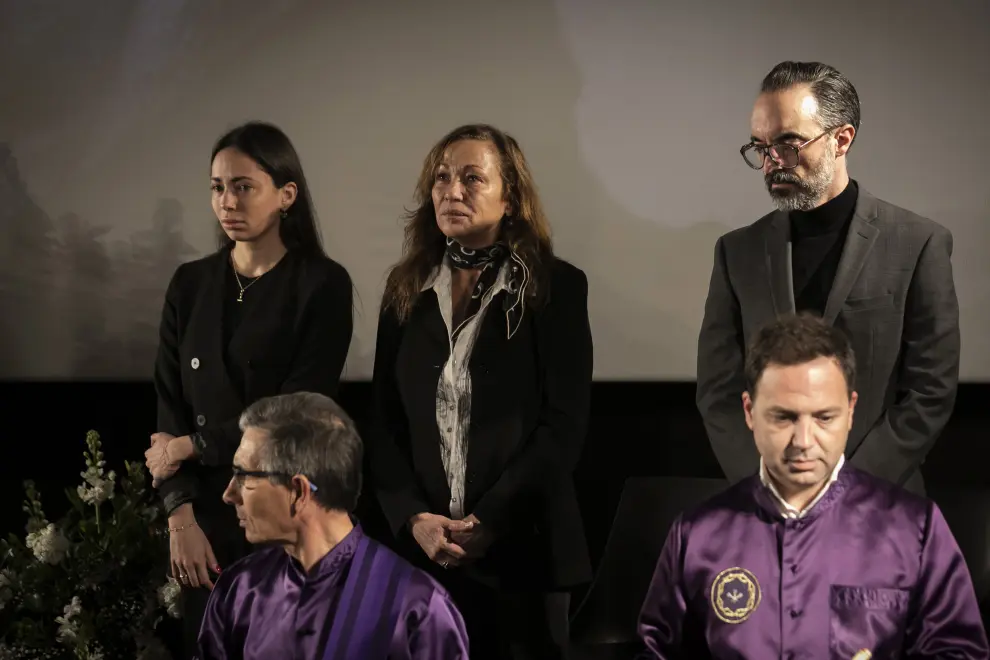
240, 296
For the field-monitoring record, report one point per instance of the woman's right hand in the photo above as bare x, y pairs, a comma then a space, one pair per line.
190, 552
432, 533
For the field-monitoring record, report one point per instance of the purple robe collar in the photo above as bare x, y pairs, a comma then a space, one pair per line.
331, 563
768, 505
786, 509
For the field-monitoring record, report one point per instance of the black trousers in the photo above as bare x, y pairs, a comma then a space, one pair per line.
517, 625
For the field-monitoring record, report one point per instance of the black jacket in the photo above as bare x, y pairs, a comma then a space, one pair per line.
529, 414
293, 335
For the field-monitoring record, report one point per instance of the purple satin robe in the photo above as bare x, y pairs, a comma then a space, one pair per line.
870, 567
265, 606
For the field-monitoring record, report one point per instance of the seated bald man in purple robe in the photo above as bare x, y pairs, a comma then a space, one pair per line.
320, 588
811, 558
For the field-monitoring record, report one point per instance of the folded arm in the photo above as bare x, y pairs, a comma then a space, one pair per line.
929, 372
721, 380
566, 361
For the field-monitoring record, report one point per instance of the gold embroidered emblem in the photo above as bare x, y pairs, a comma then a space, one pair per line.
863, 654
735, 595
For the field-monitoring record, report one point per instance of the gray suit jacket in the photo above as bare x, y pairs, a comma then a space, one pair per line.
894, 296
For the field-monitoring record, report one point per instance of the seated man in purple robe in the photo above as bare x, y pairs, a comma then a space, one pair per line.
810, 558
320, 589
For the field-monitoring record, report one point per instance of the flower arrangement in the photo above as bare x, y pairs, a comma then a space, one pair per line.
92, 586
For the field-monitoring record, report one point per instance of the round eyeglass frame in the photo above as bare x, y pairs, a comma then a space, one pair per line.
775, 151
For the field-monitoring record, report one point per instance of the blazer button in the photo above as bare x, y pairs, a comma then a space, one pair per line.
200, 420
194, 363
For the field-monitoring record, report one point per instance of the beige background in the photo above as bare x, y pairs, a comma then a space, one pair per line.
630, 111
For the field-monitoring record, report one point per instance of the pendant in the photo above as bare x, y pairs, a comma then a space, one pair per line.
240, 296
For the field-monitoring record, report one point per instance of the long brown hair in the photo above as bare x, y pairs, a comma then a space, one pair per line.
526, 231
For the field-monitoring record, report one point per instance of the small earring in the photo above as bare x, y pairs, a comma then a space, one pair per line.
283, 214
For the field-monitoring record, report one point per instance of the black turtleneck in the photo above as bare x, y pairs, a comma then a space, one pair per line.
817, 237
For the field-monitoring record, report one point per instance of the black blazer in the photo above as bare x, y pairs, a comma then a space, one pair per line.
294, 338
894, 297
529, 414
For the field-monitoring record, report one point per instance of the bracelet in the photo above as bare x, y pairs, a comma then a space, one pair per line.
181, 527
198, 444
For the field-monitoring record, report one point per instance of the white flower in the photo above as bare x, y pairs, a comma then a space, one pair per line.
97, 489
67, 628
168, 595
48, 544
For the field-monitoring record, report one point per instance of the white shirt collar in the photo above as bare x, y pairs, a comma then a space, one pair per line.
788, 511
439, 278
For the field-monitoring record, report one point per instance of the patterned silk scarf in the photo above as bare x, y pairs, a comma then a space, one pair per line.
489, 260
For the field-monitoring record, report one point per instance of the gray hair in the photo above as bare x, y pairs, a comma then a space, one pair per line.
838, 102
310, 435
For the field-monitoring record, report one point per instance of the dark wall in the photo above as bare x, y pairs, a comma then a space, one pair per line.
644, 429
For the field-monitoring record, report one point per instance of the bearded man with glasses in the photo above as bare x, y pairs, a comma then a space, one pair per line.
880, 273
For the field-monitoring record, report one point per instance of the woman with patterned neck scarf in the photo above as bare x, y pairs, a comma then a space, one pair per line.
482, 383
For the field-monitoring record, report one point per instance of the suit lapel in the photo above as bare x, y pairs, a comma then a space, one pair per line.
778, 248
490, 342
423, 350
859, 241
210, 324
211, 312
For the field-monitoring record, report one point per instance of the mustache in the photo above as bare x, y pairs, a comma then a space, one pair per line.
781, 176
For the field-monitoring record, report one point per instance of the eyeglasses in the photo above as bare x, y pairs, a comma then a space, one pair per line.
240, 474
785, 155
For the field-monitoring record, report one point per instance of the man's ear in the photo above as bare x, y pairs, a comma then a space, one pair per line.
844, 139
301, 492
747, 401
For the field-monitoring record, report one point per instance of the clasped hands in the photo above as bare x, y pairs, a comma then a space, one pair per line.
450, 542
166, 454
